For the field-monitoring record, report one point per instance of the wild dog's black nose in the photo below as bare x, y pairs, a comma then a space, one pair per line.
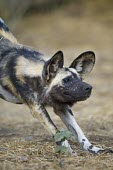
88, 88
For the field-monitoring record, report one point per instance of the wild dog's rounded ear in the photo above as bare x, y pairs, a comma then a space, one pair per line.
52, 66
84, 63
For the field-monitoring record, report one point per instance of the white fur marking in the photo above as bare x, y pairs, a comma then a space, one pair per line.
74, 71
1, 20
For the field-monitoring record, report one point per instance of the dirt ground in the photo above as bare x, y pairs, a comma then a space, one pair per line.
24, 143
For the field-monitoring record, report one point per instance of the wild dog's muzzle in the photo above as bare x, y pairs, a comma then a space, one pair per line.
78, 92
71, 93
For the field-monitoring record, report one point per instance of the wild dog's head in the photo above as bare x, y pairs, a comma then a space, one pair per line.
65, 85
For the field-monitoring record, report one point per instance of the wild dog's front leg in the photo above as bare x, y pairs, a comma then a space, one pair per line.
39, 112
67, 117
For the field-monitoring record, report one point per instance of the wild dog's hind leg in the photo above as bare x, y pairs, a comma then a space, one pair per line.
68, 118
39, 112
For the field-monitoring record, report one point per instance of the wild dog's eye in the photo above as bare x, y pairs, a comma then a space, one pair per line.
67, 79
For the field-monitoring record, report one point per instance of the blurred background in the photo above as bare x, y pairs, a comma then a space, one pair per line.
73, 26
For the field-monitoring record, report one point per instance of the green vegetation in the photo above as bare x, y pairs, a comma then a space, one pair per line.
60, 137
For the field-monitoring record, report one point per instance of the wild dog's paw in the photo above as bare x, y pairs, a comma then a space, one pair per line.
95, 150
86, 145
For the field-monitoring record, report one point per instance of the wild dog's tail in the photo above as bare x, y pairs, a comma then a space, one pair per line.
5, 32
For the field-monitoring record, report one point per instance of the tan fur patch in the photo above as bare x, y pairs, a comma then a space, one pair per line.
58, 79
41, 115
26, 67
8, 36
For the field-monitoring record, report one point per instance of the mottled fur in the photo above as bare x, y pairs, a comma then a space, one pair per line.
28, 77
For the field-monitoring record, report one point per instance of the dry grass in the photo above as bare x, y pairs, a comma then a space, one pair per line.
24, 143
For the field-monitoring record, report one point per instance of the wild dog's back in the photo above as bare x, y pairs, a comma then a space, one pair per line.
11, 50
16, 63
8, 47
9, 42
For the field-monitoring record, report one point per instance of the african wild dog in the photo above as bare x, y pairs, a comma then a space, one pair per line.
27, 76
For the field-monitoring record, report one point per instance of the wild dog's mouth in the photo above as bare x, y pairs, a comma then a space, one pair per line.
74, 97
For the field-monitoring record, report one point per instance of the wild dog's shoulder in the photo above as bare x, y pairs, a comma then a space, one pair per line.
29, 63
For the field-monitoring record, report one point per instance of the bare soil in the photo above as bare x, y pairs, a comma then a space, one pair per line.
24, 143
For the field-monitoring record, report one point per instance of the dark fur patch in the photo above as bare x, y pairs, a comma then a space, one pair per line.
35, 84
90, 147
69, 110
31, 54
